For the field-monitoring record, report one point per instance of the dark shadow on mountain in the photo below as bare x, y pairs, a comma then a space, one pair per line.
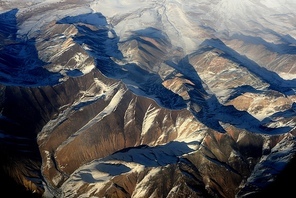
283, 38
288, 39
289, 113
74, 73
286, 87
283, 48
93, 33
185, 68
276, 180
283, 186
112, 169
153, 156
19, 66
198, 94
211, 112
8, 24
19, 61
151, 33
102, 48
95, 19
88, 177
147, 84
240, 90
98, 43
96, 37
18, 153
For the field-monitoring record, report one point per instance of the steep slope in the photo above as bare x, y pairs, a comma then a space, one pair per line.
146, 99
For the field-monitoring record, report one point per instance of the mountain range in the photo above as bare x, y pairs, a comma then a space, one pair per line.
146, 98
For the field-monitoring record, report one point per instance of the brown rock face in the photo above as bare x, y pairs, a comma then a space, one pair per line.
104, 131
84, 115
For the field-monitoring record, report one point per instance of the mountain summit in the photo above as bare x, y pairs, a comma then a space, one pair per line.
147, 98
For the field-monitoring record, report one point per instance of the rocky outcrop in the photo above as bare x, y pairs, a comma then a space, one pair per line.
84, 114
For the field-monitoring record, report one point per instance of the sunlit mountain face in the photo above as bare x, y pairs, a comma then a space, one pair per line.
146, 98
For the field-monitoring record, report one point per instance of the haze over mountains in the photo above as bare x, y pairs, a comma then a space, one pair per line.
147, 98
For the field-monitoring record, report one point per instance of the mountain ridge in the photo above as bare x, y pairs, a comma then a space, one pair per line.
127, 106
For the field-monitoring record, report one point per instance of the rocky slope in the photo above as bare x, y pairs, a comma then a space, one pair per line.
95, 105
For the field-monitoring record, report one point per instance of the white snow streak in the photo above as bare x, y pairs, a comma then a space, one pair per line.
101, 115
130, 112
149, 118
89, 95
140, 190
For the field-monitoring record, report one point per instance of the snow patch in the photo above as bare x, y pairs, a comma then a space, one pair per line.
130, 112
101, 115
149, 118
140, 189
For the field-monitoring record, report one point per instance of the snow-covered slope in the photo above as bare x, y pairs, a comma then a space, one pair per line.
147, 98
188, 23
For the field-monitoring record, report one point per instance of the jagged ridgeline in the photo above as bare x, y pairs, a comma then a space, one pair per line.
147, 98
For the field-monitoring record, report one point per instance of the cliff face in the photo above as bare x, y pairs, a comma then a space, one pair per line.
85, 112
